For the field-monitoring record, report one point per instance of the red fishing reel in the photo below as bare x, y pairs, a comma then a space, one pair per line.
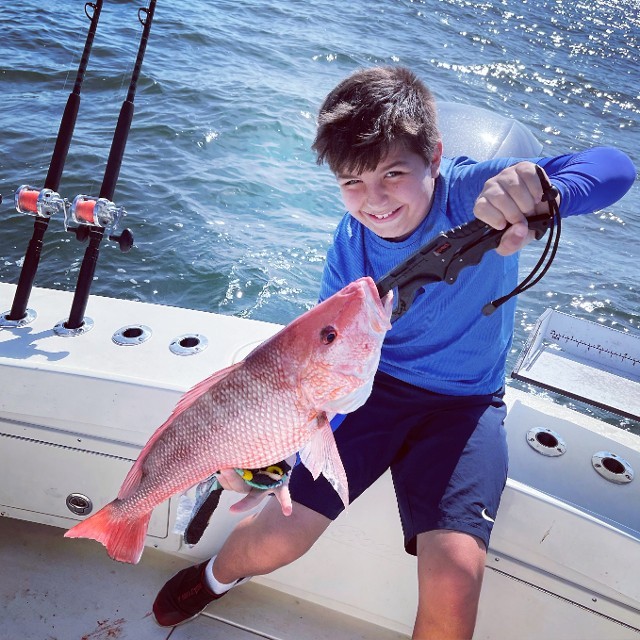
86, 212
42, 203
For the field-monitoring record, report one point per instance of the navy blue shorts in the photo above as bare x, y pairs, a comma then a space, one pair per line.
447, 455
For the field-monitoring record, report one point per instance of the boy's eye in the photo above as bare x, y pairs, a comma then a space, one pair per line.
350, 183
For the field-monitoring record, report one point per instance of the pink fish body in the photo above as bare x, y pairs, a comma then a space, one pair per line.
274, 403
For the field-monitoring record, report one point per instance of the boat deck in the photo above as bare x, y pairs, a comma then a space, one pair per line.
52, 588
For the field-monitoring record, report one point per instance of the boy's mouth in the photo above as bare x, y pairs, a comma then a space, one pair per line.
383, 216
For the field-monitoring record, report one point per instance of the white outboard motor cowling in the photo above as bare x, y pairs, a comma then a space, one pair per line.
482, 134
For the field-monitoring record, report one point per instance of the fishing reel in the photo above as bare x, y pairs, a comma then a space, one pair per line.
86, 212
42, 203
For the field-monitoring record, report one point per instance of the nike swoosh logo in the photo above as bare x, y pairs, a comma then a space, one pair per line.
486, 516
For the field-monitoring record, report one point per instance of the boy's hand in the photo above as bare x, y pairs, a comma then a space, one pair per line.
230, 480
510, 197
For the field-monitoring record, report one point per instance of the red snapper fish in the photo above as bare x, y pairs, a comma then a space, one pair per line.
274, 403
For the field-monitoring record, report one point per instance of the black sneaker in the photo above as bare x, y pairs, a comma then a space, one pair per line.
184, 596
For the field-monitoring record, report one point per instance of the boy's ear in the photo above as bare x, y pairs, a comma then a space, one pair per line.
435, 160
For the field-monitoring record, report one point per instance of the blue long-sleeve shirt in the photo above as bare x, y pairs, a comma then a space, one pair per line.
444, 343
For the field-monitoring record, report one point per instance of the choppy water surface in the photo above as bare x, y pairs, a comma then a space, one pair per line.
229, 211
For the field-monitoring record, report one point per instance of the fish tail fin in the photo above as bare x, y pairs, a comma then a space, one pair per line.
122, 537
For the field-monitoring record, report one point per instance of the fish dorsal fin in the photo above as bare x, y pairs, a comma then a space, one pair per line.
134, 476
320, 455
202, 387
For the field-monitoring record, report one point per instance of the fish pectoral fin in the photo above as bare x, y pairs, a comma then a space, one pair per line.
320, 455
311, 454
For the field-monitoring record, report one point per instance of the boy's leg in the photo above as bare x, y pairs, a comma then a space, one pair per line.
450, 571
258, 545
449, 485
267, 541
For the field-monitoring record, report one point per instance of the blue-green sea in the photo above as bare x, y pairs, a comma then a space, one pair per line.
229, 212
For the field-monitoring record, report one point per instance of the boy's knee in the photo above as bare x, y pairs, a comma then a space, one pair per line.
287, 538
452, 559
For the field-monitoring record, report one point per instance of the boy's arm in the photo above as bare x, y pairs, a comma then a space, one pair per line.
587, 182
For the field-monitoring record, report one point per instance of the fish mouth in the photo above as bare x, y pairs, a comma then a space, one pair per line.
379, 309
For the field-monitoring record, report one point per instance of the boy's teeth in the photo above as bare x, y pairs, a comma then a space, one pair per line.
381, 216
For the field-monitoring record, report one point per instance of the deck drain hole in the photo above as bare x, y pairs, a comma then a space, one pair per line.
188, 344
131, 335
612, 467
547, 439
546, 442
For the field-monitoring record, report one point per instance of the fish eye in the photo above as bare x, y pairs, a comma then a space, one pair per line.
328, 335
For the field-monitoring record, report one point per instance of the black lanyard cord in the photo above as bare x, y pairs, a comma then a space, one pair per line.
549, 195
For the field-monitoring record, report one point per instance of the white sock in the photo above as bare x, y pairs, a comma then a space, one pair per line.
213, 583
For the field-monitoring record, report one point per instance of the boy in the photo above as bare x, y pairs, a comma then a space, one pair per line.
438, 392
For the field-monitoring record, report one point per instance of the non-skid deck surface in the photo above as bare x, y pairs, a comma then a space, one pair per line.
53, 588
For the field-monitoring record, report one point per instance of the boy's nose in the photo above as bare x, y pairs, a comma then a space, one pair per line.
376, 198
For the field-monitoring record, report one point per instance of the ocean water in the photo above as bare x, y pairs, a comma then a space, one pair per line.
229, 211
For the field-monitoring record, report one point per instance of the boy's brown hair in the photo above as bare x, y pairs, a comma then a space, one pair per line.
371, 111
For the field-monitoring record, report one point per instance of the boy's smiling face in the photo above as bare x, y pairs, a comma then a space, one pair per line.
394, 198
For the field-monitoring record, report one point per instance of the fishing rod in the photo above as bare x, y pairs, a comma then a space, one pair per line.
45, 202
92, 216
